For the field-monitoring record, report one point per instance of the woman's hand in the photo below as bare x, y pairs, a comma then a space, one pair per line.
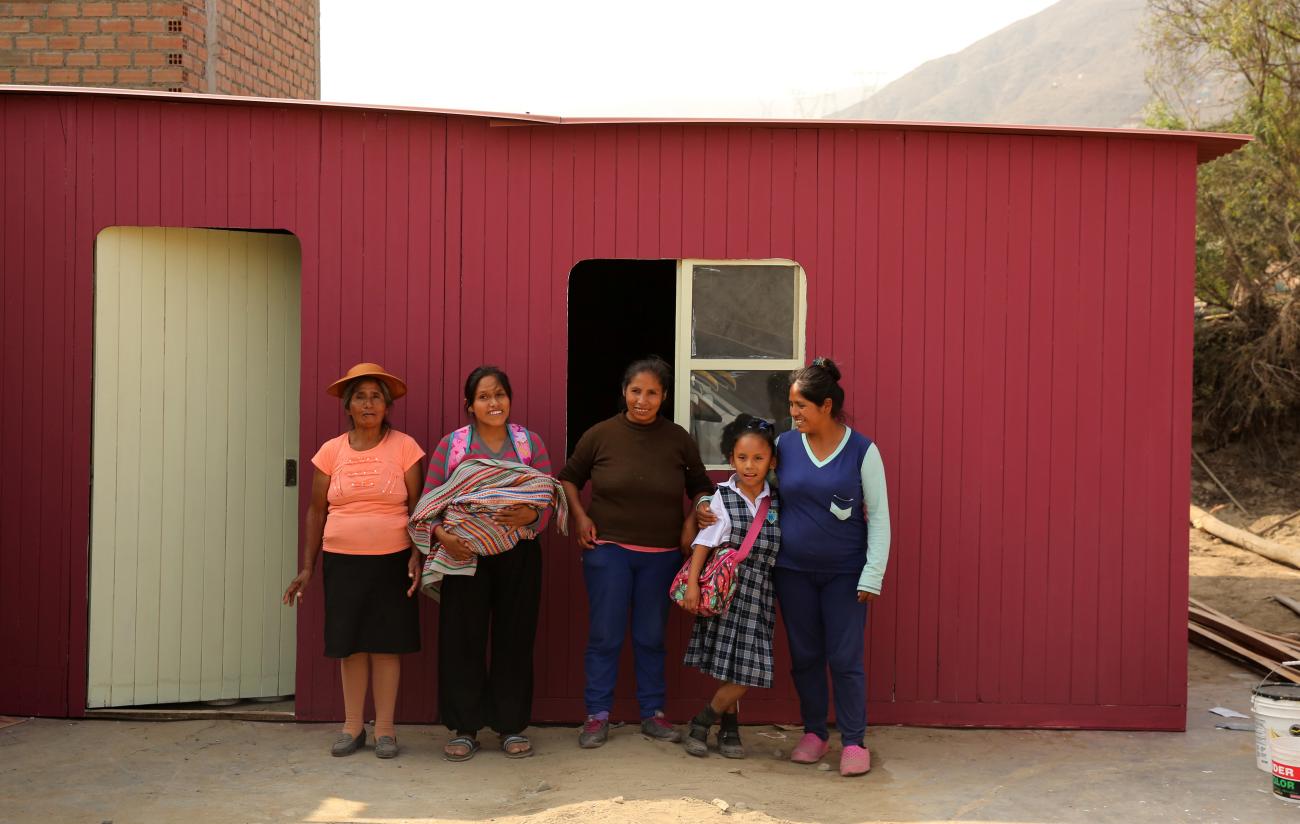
704, 516
866, 597
691, 602
585, 529
454, 546
516, 516
414, 567
297, 587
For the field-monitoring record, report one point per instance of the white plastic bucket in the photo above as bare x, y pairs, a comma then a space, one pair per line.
1277, 715
1284, 752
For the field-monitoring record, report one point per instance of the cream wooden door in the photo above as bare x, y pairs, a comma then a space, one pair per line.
193, 529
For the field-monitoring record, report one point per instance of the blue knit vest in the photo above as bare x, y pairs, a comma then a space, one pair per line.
813, 536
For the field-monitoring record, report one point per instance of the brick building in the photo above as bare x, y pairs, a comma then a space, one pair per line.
264, 48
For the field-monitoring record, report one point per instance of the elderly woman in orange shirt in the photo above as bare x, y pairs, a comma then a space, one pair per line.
367, 481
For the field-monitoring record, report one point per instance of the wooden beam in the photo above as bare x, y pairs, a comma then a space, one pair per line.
1271, 550
1207, 637
1246, 636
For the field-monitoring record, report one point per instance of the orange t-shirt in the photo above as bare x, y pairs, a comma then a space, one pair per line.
367, 494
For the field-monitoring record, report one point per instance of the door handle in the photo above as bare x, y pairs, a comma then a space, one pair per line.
290, 472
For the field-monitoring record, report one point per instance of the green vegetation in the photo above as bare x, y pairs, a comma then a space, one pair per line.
1245, 53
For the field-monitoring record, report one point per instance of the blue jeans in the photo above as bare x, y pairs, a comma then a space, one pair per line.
624, 585
825, 624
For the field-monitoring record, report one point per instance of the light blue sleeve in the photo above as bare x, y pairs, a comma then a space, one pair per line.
876, 500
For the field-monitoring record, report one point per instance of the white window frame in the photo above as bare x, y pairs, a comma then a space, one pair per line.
685, 363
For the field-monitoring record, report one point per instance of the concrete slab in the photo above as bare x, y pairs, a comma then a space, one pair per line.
197, 772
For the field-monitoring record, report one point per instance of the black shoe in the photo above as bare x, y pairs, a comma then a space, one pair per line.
346, 744
697, 737
729, 737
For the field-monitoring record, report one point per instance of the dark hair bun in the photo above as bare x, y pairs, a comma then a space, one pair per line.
828, 366
820, 381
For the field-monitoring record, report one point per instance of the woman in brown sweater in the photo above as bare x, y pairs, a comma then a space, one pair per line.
641, 467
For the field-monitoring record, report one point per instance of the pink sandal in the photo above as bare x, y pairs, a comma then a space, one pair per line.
809, 750
855, 760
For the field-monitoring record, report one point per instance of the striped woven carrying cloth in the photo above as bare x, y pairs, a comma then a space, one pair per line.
464, 506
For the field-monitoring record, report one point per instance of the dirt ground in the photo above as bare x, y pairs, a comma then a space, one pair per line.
1234, 580
205, 772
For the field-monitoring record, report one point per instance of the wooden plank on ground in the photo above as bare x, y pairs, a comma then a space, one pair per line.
1245, 635
1209, 638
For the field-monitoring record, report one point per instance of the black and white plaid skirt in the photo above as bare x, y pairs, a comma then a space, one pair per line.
736, 646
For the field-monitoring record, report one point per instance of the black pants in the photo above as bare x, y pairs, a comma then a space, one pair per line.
499, 602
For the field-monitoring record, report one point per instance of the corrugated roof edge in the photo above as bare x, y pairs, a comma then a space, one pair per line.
1209, 145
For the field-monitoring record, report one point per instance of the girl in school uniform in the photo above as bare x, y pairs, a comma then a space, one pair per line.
736, 646
834, 547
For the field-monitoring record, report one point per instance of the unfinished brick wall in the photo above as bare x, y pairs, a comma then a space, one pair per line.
242, 47
268, 48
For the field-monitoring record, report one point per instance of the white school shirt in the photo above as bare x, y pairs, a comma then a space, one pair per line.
719, 532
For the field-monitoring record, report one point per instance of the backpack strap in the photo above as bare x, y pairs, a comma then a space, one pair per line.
459, 446
754, 527
523, 446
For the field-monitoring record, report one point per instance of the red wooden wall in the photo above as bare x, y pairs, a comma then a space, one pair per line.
1013, 312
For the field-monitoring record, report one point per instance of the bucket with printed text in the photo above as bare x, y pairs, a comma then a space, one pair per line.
1284, 753
1277, 709
1277, 733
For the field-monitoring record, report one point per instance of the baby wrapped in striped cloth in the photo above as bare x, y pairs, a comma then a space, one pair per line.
464, 507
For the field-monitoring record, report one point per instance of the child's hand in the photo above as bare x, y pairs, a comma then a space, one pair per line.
866, 597
691, 602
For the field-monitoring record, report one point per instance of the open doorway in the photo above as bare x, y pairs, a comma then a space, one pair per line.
619, 310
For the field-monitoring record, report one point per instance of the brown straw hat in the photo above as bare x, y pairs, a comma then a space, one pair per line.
396, 387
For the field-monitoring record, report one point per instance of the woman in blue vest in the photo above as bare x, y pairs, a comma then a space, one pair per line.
834, 546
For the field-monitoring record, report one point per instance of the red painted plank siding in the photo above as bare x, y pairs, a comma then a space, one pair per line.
1008, 310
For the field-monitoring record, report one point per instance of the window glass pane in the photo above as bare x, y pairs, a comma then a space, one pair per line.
717, 397
743, 311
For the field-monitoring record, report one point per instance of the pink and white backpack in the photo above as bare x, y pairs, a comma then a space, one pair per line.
460, 445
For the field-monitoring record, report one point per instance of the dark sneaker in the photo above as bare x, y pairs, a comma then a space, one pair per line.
346, 744
594, 733
385, 746
658, 728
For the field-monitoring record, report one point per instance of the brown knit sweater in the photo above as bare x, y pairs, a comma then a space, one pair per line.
639, 475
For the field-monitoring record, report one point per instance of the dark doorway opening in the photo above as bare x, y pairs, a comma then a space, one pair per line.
619, 310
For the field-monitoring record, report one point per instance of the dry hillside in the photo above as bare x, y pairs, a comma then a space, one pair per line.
1078, 63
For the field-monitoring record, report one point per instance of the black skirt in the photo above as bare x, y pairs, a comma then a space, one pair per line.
366, 608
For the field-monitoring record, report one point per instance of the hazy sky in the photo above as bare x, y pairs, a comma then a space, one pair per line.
652, 57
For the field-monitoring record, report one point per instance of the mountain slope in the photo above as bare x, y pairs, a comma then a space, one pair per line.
1078, 63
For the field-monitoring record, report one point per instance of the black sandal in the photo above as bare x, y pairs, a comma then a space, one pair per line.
470, 744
